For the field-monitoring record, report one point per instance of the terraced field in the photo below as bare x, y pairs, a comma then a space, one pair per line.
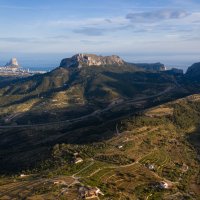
159, 159
30, 187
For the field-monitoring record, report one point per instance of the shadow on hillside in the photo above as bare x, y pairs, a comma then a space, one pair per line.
25, 147
22, 148
194, 140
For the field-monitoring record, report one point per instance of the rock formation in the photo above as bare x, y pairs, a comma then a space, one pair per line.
177, 71
80, 60
151, 66
13, 63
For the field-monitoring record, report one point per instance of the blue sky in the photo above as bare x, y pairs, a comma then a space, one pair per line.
44, 31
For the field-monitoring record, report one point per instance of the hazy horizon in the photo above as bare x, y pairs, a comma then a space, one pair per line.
42, 61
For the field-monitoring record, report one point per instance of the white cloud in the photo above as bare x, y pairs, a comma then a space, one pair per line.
156, 16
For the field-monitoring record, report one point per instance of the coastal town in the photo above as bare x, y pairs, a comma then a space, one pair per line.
12, 68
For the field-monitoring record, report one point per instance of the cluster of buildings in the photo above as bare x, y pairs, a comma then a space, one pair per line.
11, 66
76, 158
89, 192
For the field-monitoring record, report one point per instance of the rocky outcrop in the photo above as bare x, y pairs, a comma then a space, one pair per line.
80, 60
175, 71
12, 63
151, 66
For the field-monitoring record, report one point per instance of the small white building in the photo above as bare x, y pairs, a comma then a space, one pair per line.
23, 175
164, 185
78, 160
150, 166
76, 154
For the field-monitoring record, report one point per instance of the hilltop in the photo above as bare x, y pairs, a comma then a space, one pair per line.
80, 60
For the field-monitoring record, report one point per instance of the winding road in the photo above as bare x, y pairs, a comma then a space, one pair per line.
95, 113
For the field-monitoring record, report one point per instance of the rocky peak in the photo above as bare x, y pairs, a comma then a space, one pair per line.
12, 63
80, 60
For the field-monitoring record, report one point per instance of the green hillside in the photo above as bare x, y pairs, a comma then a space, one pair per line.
164, 136
56, 95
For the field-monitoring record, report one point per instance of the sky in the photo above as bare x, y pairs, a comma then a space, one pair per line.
42, 32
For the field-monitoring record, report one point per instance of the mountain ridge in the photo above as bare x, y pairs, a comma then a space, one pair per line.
83, 60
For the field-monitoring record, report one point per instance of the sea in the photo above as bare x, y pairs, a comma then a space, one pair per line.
34, 62
48, 62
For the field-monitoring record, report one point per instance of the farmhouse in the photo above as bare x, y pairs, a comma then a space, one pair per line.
89, 193
78, 160
23, 175
59, 182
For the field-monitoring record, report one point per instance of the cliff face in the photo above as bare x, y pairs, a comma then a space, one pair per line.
80, 60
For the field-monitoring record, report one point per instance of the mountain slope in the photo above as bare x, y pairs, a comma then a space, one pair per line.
161, 136
111, 118
193, 72
57, 94
151, 67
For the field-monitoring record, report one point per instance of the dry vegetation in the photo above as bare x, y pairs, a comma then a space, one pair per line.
119, 166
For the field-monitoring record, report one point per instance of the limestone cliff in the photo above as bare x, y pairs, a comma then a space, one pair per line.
80, 60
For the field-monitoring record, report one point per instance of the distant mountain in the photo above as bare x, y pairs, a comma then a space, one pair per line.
12, 63
175, 71
151, 66
193, 72
81, 60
